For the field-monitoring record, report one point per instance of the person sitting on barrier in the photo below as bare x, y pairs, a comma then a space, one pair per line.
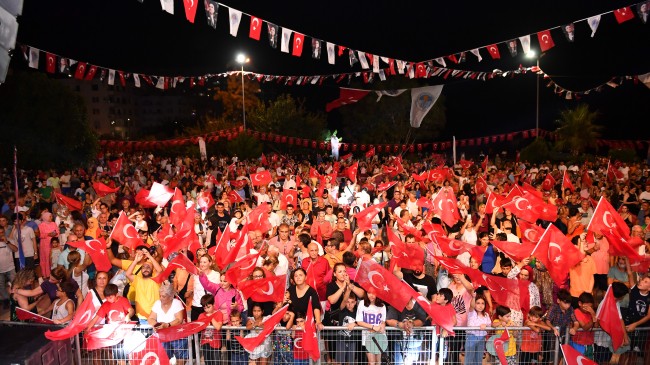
210, 337
407, 349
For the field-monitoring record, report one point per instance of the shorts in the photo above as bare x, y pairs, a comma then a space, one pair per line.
177, 348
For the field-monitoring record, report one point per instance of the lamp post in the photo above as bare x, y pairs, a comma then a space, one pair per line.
532, 54
242, 59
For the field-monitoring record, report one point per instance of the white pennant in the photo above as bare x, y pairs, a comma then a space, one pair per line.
400, 66
441, 61
34, 55
593, 21
160, 84
525, 43
331, 55
136, 78
235, 17
382, 75
422, 100
284, 42
476, 53
363, 60
167, 5
375, 64
111, 77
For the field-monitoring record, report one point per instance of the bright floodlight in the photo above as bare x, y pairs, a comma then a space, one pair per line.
241, 58
531, 54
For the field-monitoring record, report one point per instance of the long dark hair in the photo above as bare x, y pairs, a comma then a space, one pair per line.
378, 301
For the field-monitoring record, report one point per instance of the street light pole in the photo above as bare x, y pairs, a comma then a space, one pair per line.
537, 104
242, 59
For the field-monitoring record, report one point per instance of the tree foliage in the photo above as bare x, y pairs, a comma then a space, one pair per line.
46, 121
245, 146
288, 116
230, 99
387, 120
536, 152
577, 130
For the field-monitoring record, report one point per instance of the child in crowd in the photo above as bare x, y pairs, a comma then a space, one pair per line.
371, 314
262, 353
115, 308
283, 341
211, 337
562, 315
300, 356
443, 298
348, 340
583, 341
238, 355
531, 343
55, 251
63, 307
504, 320
475, 340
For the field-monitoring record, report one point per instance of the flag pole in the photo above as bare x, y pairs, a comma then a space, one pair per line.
21, 253
453, 143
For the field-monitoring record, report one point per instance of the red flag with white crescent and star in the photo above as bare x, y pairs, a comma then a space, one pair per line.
256, 28
609, 318
102, 189
184, 330
50, 65
234, 197
607, 220
374, 278
261, 178
269, 289
498, 344
557, 253
27, 316
80, 71
494, 51
351, 172
310, 339
573, 357
289, 196
190, 9
530, 232
346, 96
180, 261
481, 185
370, 152
406, 255
250, 343
125, 233
446, 206
96, 248
153, 353
115, 166
365, 217
385, 186
566, 182
71, 204
298, 42
549, 182
83, 315
177, 210
91, 73
242, 268
623, 14
514, 250
545, 40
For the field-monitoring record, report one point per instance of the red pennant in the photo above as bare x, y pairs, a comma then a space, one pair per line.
494, 51
256, 28
610, 319
50, 63
623, 14
298, 42
80, 71
346, 96
545, 41
190, 9
270, 289
125, 233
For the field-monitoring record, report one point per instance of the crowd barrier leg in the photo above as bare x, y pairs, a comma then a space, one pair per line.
197, 349
441, 350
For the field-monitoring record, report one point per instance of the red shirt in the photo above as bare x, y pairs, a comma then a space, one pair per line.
319, 269
583, 337
114, 312
210, 335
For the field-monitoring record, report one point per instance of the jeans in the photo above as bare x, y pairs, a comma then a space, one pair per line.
6, 277
474, 348
407, 351
238, 358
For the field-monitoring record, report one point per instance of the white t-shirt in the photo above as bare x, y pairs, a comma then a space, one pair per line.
372, 315
166, 317
27, 239
199, 291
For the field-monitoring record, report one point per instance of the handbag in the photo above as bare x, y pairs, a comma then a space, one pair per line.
385, 356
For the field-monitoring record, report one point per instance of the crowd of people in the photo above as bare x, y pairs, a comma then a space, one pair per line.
317, 243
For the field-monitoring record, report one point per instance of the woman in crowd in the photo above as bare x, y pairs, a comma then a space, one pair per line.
300, 293
48, 230
198, 291
168, 312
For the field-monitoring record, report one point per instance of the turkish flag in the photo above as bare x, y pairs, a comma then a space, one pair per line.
348, 156
102, 189
184, 330
623, 14
614, 174
269, 289
445, 205
346, 96
241, 238
80, 71
261, 178
141, 198
370, 152
610, 319
222, 248
621, 246
406, 255
412, 230
251, 343
177, 211
421, 177
566, 182
607, 220
438, 175
484, 164
91, 73
125, 233
27, 316
256, 28
573, 357
351, 172
385, 186
453, 248
365, 217
242, 268
153, 353
50, 65
373, 277
233, 197
545, 40
313, 173
258, 218
549, 182
493, 50
514, 250
481, 185
83, 315
204, 201
190, 9
107, 335
498, 344
425, 203
298, 42
557, 253
526, 207
465, 164
180, 261
530, 232
181, 239
71, 204
115, 166
96, 248
586, 179
289, 196
310, 339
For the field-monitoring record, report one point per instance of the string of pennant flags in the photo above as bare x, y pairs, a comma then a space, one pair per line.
232, 133
368, 60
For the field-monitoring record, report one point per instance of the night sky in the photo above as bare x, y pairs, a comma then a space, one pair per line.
139, 37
